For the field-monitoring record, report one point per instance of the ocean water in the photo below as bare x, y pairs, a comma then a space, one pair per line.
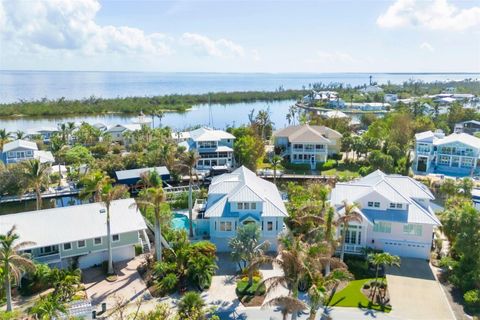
33, 85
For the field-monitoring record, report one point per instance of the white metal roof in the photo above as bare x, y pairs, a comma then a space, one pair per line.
24, 144
308, 133
69, 224
460, 137
209, 134
243, 185
44, 156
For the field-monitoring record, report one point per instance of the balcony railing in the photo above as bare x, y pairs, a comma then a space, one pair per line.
48, 258
353, 248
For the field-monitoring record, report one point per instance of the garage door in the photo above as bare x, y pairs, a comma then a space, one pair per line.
96, 258
407, 249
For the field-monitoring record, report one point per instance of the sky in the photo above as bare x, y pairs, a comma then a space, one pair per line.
241, 36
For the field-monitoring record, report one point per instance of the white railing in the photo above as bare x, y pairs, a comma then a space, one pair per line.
48, 258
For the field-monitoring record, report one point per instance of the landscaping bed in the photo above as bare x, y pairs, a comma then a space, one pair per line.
354, 295
251, 296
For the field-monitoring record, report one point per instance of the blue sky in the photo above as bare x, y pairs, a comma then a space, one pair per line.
241, 36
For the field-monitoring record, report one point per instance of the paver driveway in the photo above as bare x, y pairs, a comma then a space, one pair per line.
415, 293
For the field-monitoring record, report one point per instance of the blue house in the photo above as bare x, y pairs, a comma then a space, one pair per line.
454, 155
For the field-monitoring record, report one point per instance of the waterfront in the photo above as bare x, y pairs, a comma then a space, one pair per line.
34, 85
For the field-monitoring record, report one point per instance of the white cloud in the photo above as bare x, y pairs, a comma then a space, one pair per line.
434, 15
203, 45
70, 25
427, 47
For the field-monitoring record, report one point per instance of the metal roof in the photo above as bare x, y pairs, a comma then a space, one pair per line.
209, 134
69, 224
25, 144
308, 133
135, 173
243, 185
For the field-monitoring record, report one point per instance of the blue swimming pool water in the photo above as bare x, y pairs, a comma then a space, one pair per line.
180, 221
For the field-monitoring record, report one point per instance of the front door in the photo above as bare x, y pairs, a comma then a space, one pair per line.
422, 164
313, 163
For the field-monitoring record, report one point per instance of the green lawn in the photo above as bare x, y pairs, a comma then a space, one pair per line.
352, 296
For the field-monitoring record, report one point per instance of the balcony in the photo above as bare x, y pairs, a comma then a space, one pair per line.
353, 248
47, 259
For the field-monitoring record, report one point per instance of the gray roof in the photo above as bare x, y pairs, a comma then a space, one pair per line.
69, 224
24, 144
308, 133
394, 188
135, 173
209, 134
243, 185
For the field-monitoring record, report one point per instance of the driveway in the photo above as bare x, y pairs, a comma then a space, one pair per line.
128, 287
415, 293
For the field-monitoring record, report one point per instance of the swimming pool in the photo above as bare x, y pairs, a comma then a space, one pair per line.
180, 221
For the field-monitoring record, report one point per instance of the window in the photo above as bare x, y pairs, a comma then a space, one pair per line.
319, 147
376, 204
445, 160
225, 226
297, 146
246, 206
385, 227
97, 241
81, 244
399, 206
67, 246
240, 206
412, 229
253, 206
115, 238
269, 225
370, 203
392, 205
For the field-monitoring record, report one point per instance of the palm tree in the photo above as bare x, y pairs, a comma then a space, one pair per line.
154, 197
288, 305
5, 137
381, 259
92, 185
19, 134
350, 214
108, 194
187, 164
191, 306
36, 174
48, 307
276, 161
57, 146
13, 262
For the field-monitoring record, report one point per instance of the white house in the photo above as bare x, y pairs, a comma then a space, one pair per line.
307, 144
371, 89
21, 150
45, 132
454, 155
396, 214
118, 131
77, 234
240, 198
215, 147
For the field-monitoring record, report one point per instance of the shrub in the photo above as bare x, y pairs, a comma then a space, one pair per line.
244, 290
168, 284
330, 164
472, 299
364, 170
138, 249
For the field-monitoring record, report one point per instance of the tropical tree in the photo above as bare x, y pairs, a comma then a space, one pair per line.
287, 305
247, 248
448, 188
153, 198
92, 184
276, 161
19, 134
13, 262
5, 137
100, 188
187, 164
379, 260
48, 307
350, 214
36, 174
191, 306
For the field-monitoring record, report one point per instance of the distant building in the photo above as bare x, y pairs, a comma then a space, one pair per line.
241, 198
118, 132
132, 177
307, 144
215, 147
77, 235
371, 89
45, 132
390, 98
455, 155
369, 106
470, 127
21, 150
396, 215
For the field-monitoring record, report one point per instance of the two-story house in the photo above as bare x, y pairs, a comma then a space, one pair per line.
77, 235
21, 150
396, 214
118, 132
46, 133
240, 198
307, 144
454, 155
470, 127
215, 147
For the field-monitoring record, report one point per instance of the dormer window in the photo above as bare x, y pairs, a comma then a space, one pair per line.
246, 206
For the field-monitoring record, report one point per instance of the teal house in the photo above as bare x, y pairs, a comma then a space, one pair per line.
77, 235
